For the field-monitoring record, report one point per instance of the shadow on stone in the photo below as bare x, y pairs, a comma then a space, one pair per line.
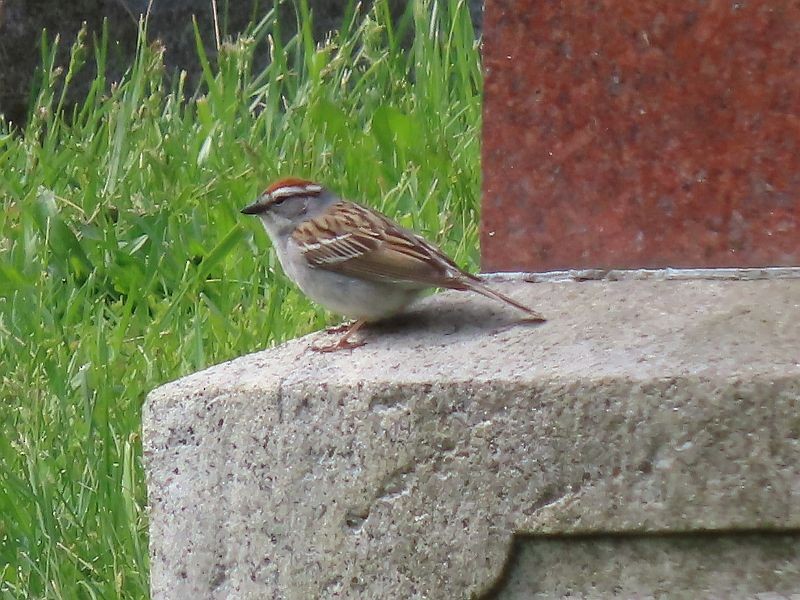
466, 320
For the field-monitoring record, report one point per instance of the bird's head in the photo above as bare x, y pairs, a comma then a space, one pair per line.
288, 202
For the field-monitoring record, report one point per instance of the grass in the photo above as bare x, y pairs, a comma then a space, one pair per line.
124, 262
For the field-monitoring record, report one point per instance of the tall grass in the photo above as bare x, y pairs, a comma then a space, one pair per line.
124, 262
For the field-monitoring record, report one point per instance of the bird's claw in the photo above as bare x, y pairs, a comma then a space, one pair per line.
343, 344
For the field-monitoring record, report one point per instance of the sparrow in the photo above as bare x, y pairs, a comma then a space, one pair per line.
353, 260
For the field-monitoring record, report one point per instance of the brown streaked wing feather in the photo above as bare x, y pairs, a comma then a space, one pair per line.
350, 240
325, 241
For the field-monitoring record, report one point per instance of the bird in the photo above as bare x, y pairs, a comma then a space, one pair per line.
354, 260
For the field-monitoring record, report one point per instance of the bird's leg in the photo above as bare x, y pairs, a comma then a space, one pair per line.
344, 342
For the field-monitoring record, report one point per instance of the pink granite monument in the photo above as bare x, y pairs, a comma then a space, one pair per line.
641, 134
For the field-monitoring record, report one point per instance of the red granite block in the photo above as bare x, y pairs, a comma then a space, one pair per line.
641, 134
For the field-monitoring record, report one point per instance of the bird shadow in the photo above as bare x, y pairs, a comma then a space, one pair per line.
462, 320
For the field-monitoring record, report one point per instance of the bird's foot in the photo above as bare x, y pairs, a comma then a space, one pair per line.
344, 342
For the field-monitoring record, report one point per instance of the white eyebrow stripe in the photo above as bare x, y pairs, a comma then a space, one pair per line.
294, 190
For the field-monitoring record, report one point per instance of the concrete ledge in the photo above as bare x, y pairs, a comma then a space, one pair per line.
404, 469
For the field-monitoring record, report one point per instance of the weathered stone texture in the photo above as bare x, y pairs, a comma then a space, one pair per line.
403, 469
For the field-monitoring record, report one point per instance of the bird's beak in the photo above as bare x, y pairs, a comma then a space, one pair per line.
258, 206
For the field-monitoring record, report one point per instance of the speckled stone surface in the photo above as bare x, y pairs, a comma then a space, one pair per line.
641, 134
404, 469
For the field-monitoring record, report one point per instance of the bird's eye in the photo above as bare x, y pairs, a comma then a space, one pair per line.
281, 199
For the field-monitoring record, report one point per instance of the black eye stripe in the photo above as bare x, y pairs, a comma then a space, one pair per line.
279, 201
284, 197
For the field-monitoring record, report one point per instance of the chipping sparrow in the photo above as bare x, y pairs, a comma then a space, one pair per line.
353, 260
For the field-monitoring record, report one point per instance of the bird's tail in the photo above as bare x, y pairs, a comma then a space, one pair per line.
477, 285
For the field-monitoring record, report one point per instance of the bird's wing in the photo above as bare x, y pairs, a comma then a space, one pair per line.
351, 240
